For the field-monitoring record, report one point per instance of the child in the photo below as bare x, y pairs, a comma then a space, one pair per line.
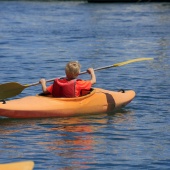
69, 86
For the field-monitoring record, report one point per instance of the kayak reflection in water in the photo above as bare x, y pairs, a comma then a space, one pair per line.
69, 86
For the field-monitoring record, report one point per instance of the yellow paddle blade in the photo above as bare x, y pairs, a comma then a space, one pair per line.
25, 165
131, 61
11, 89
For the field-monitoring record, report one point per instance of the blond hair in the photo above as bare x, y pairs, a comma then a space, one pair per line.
72, 69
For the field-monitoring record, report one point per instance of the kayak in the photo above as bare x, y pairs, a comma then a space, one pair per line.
96, 101
25, 165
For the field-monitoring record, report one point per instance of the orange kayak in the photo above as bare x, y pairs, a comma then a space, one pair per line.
25, 165
97, 101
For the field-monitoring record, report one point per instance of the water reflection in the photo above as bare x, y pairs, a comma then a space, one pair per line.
70, 139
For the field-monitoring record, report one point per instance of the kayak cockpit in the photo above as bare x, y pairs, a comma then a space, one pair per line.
84, 94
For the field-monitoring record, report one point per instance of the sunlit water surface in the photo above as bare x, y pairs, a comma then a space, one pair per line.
36, 41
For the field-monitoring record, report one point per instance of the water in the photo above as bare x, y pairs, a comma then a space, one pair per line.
38, 38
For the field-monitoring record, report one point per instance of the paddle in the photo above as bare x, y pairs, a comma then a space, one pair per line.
12, 89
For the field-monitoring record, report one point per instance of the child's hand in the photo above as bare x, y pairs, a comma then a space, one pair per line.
90, 70
44, 87
42, 81
93, 76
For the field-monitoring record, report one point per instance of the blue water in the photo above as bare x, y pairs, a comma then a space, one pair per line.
36, 41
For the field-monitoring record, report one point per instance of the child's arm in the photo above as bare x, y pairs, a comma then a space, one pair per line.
93, 76
44, 87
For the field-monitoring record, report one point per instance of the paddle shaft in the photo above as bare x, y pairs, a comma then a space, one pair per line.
100, 68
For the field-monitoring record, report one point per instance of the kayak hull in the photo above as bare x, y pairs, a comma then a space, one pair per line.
98, 101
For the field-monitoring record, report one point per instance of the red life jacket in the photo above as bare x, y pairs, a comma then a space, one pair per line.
64, 88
